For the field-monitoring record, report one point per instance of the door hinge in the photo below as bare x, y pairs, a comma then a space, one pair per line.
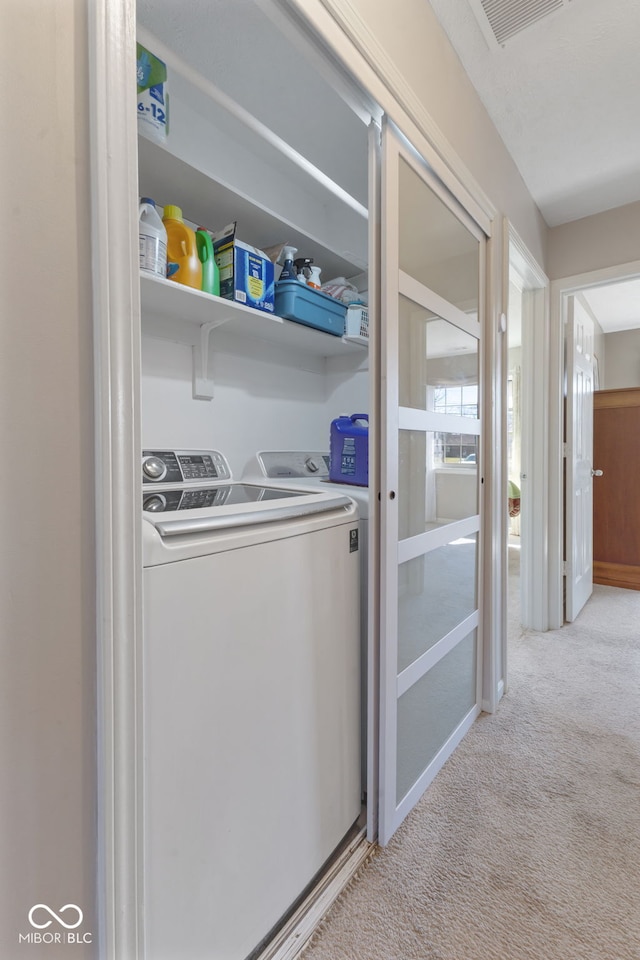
564, 568
565, 449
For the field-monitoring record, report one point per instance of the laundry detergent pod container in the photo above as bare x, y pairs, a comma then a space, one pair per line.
349, 449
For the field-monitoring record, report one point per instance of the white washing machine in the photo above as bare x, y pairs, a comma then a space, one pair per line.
250, 714
309, 469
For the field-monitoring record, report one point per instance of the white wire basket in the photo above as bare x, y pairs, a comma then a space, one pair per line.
356, 326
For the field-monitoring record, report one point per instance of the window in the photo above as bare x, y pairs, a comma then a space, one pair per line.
459, 401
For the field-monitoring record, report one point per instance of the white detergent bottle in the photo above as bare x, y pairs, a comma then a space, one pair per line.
152, 239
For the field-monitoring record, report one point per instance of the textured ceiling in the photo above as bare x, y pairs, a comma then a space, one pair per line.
564, 94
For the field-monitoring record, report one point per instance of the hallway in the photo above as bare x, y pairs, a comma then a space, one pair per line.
527, 845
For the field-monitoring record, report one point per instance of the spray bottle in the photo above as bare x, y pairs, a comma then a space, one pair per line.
313, 280
288, 270
302, 268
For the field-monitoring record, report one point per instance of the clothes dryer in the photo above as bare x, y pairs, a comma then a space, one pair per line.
309, 470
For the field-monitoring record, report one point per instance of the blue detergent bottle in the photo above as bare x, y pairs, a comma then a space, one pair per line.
349, 449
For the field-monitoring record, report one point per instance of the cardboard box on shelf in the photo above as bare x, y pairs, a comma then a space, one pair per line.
246, 273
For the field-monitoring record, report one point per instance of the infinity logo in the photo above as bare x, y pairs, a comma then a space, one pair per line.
56, 916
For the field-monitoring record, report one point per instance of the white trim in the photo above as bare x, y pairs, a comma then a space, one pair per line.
492, 556
390, 249
375, 435
535, 460
536, 451
116, 310
410, 418
556, 460
487, 706
295, 935
416, 670
344, 30
558, 289
526, 265
422, 543
418, 293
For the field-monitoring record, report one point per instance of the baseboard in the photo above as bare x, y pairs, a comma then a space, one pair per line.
616, 575
295, 935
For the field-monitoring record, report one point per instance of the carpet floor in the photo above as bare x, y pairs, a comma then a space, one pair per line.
527, 844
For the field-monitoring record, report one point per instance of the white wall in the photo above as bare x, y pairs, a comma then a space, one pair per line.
264, 399
47, 679
622, 360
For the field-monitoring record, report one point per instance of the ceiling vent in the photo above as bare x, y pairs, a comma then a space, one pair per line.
500, 20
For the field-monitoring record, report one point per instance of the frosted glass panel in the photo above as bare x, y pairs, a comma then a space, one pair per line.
437, 480
436, 592
435, 248
431, 709
438, 363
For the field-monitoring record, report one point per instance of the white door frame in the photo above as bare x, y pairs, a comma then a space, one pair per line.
580, 325
116, 325
560, 289
534, 584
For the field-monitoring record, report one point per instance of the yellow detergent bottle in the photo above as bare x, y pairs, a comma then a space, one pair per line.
183, 262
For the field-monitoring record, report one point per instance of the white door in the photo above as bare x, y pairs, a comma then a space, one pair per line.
432, 265
579, 459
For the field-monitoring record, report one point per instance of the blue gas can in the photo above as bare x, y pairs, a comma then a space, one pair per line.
349, 450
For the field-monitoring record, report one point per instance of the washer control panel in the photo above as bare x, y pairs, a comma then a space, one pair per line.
183, 466
294, 463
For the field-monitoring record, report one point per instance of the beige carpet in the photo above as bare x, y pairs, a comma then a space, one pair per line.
527, 845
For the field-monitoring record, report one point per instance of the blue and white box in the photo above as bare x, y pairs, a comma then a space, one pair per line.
246, 273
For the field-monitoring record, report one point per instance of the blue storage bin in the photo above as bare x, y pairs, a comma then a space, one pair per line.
296, 301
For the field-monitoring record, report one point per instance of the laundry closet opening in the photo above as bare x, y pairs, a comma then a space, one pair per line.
255, 613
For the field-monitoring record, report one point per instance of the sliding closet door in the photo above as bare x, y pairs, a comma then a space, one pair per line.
432, 270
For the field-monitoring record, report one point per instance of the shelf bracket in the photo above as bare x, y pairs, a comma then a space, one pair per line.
202, 380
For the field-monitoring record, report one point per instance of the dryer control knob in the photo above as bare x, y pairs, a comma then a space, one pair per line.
311, 465
154, 504
154, 468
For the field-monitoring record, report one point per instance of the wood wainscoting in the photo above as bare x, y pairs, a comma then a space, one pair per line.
616, 494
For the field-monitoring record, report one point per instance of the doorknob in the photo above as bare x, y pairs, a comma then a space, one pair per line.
596, 473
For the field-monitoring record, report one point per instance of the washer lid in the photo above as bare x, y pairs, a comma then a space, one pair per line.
170, 501
290, 470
